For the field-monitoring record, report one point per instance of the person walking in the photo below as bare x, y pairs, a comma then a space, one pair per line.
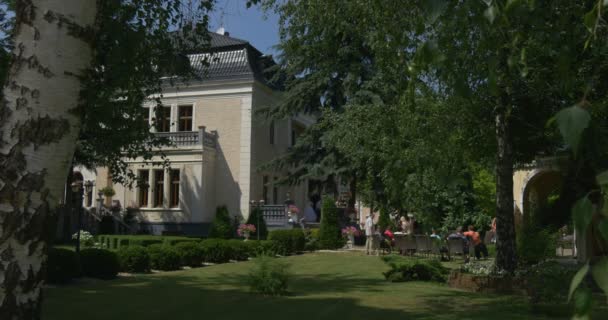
369, 233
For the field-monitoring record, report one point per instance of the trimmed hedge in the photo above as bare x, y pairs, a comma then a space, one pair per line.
62, 266
164, 257
288, 241
191, 253
329, 236
134, 259
115, 242
99, 263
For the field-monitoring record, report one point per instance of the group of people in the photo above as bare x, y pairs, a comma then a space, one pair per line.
408, 226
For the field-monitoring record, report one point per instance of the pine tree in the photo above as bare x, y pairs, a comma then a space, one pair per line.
221, 226
329, 235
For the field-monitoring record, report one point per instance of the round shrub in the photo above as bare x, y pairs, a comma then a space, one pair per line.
164, 257
191, 253
134, 259
62, 266
269, 276
99, 263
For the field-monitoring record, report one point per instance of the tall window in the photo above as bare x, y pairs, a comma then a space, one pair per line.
147, 116
265, 188
272, 132
185, 118
89, 200
143, 188
159, 188
275, 191
163, 124
174, 199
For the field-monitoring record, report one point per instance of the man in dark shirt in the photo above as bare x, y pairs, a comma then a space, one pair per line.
457, 234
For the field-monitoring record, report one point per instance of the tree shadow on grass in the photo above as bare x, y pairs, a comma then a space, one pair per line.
227, 297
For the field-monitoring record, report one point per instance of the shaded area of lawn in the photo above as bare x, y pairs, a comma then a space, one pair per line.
323, 286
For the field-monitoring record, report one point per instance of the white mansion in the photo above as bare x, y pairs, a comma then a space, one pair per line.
219, 144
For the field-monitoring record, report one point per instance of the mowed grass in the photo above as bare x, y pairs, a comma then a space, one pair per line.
322, 286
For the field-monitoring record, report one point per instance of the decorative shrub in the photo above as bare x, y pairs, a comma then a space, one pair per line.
253, 219
62, 266
535, 243
216, 250
86, 238
288, 241
191, 253
329, 236
269, 276
547, 282
403, 270
99, 263
108, 192
312, 239
134, 259
164, 257
118, 241
222, 226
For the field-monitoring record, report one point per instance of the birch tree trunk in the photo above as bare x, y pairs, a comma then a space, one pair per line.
506, 254
39, 124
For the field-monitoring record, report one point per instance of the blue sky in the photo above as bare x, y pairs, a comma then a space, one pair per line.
252, 24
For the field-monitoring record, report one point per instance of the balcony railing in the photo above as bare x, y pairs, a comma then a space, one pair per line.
190, 138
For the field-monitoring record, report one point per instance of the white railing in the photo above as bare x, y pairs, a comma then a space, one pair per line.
190, 138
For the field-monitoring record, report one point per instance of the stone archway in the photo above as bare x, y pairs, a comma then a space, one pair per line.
540, 185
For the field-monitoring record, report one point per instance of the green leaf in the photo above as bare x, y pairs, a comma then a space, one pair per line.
491, 13
572, 122
602, 178
590, 19
578, 278
603, 228
599, 271
582, 301
434, 9
582, 211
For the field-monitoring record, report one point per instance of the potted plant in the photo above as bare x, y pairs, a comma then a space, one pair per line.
245, 230
108, 192
350, 232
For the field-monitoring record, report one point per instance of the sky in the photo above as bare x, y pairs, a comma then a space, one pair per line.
253, 25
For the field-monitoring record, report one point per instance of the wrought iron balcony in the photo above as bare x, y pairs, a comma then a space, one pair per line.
190, 138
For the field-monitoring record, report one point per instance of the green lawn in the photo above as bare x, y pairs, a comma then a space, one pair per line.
323, 286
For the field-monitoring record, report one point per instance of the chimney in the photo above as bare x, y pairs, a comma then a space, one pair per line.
220, 30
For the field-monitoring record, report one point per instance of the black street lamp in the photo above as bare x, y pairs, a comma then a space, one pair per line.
77, 190
257, 205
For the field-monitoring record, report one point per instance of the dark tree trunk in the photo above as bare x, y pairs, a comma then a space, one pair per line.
353, 195
506, 258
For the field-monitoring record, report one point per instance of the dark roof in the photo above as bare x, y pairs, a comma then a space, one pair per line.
219, 40
230, 58
231, 64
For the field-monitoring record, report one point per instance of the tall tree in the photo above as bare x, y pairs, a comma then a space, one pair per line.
52, 52
79, 69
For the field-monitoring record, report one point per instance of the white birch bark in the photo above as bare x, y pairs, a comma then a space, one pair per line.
38, 131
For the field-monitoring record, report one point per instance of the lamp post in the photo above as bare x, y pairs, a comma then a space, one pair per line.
88, 189
77, 190
256, 205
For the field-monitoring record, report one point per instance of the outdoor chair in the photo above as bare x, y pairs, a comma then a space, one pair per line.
400, 243
410, 244
456, 246
423, 244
